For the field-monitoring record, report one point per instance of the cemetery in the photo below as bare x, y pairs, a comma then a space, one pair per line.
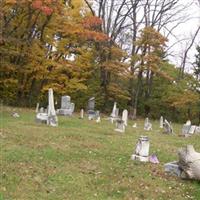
100, 100
82, 159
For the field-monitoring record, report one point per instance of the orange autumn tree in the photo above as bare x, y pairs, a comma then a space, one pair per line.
49, 46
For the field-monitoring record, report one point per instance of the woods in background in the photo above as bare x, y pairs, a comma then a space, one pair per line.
104, 49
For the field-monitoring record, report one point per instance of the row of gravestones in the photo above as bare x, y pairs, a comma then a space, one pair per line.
49, 115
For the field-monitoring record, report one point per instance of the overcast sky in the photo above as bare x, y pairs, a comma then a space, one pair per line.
184, 31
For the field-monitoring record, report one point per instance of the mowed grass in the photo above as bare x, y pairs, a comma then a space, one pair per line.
81, 159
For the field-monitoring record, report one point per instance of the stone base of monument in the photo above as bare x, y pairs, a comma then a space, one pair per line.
140, 158
92, 115
41, 118
173, 168
64, 112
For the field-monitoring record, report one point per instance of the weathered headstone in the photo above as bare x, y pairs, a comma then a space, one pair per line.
37, 108
52, 118
167, 127
185, 129
188, 165
125, 117
197, 130
192, 129
142, 149
91, 109
67, 107
189, 162
147, 125
82, 114
115, 113
161, 122
120, 126
41, 110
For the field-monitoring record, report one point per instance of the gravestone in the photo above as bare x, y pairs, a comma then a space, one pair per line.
41, 110
91, 109
192, 129
115, 113
185, 129
197, 130
120, 126
67, 107
98, 120
142, 149
167, 127
125, 117
52, 118
82, 114
161, 122
189, 123
37, 108
48, 117
188, 165
147, 125
188, 129
134, 125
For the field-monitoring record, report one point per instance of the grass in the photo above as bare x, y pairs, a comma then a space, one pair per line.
83, 160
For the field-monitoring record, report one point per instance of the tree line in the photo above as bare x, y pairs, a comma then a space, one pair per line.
114, 50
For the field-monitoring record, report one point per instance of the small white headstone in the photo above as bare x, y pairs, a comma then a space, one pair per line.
82, 114
98, 120
134, 125
188, 123
161, 122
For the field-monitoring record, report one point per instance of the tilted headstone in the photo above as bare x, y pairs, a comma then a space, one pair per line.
67, 107
167, 127
120, 126
147, 125
189, 162
161, 122
192, 129
142, 149
125, 117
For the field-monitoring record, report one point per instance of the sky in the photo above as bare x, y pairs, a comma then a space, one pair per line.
184, 31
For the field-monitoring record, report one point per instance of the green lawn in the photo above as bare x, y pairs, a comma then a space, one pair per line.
81, 159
